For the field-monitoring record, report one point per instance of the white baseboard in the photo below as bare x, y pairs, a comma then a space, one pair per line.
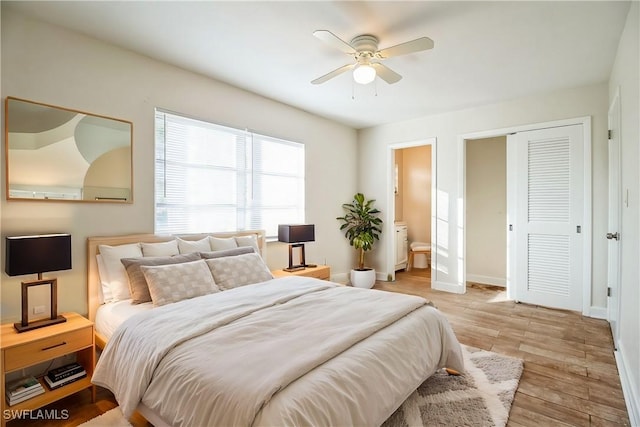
487, 280
598, 312
630, 392
382, 276
455, 288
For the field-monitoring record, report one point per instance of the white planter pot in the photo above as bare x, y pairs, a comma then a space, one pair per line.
363, 278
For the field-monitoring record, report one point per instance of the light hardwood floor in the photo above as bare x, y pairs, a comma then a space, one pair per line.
570, 376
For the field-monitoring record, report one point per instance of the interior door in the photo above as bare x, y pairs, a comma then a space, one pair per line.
613, 236
549, 217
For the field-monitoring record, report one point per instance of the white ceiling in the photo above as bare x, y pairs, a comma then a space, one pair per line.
484, 52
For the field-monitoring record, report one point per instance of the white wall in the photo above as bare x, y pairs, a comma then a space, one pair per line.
45, 63
486, 210
626, 75
572, 103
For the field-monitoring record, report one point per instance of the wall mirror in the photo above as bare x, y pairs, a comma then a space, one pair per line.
55, 153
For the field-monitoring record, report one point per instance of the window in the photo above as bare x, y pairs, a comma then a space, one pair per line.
216, 178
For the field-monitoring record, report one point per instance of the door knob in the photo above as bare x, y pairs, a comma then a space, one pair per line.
613, 236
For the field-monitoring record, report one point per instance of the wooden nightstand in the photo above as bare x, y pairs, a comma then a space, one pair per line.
19, 351
320, 272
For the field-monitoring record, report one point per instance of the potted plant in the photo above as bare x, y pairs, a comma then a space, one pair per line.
362, 228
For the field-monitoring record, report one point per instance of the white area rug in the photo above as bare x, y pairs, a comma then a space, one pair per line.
481, 397
112, 418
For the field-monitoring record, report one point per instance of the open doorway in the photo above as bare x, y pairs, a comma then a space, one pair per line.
412, 202
548, 227
486, 211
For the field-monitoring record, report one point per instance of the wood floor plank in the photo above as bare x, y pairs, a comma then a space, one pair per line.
532, 418
575, 388
557, 413
601, 422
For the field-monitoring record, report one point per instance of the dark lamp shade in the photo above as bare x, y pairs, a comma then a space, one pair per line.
296, 233
37, 254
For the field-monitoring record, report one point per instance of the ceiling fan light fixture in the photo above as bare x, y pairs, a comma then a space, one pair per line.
364, 74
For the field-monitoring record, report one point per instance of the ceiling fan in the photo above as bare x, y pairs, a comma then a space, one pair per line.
364, 50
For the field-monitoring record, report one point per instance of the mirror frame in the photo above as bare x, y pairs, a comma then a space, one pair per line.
71, 110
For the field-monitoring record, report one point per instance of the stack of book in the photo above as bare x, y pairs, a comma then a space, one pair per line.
64, 375
23, 389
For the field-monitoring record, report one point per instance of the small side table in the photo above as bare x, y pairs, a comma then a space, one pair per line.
320, 272
19, 351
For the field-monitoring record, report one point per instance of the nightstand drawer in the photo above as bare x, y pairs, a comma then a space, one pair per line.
47, 348
320, 273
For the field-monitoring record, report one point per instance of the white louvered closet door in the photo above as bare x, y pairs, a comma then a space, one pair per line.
549, 217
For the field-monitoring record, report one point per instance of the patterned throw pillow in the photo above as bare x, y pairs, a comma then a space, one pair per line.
176, 282
233, 271
138, 284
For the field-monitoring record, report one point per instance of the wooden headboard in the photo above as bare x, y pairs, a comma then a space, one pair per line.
93, 278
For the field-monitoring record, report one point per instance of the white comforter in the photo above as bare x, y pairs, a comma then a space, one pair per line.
291, 351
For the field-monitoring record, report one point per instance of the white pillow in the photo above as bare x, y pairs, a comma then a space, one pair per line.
169, 248
233, 271
251, 240
221, 244
175, 282
191, 246
116, 274
104, 293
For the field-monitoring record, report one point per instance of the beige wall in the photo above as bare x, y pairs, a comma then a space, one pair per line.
45, 63
486, 210
416, 192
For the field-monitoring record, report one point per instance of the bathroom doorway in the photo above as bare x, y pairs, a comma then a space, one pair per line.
413, 208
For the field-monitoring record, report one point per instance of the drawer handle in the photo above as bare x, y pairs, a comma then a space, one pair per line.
54, 346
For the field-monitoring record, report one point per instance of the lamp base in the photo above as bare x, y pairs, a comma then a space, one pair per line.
296, 268
38, 324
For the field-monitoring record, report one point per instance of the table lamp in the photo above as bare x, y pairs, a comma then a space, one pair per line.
38, 254
296, 235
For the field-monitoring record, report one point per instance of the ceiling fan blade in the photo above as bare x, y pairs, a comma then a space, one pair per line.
335, 41
386, 73
417, 45
332, 74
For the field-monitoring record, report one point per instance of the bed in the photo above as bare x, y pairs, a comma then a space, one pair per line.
287, 351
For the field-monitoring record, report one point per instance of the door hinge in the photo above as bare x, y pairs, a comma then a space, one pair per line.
609, 134
510, 227
608, 292
578, 229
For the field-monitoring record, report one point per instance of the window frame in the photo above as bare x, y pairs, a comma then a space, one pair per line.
249, 206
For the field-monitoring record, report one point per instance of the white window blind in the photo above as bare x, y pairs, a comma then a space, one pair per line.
216, 178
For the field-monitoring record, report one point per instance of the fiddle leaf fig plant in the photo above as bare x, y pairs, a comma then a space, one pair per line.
361, 225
